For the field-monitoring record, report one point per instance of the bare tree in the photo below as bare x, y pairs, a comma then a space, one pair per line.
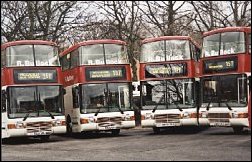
35, 19
165, 16
209, 15
125, 24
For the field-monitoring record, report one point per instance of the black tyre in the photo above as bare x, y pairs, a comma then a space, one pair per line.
115, 132
44, 138
156, 130
69, 127
238, 130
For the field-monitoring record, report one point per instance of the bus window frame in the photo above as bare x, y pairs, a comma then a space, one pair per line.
35, 49
220, 35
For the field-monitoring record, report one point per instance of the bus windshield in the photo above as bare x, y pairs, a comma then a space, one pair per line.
32, 55
106, 97
100, 54
166, 50
36, 100
168, 94
223, 44
225, 90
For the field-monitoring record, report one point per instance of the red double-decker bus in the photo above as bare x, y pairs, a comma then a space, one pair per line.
98, 82
32, 89
225, 71
168, 82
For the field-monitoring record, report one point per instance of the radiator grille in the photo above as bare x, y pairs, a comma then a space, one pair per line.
109, 121
167, 118
33, 127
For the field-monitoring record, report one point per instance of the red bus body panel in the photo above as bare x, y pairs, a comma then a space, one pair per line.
244, 64
8, 75
73, 76
190, 69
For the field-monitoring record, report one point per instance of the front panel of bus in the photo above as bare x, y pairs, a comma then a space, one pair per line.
167, 73
225, 71
98, 88
32, 92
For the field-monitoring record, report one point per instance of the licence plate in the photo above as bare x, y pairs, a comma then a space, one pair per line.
39, 133
167, 124
107, 128
220, 124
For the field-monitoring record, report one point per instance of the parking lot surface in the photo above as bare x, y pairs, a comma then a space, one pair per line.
183, 144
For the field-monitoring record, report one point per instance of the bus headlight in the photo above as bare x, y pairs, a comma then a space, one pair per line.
129, 118
193, 115
11, 126
186, 115
20, 124
91, 120
84, 121
148, 116
59, 122
235, 115
204, 114
242, 115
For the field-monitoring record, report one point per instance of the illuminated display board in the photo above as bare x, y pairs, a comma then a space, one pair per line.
34, 76
220, 65
165, 70
105, 73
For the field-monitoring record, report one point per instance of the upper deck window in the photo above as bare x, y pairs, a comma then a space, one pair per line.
32, 55
100, 54
223, 44
166, 50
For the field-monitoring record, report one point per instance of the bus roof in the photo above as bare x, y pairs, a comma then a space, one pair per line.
25, 42
149, 40
227, 29
91, 42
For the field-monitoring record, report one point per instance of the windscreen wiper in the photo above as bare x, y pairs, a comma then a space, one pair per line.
208, 105
120, 110
228, 106
155, 108
27, 115
96, 113
51, 115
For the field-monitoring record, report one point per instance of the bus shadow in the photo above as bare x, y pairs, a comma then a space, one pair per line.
28, 140
226, 131
95, 135
180, 130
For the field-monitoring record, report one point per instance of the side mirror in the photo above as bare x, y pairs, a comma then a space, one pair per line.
197, 93
75, 93
198, 52
63, 91
4, 99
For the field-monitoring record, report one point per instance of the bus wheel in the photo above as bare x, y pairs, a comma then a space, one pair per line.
44, 138
69, 126
238, 130
156, 130
115, 132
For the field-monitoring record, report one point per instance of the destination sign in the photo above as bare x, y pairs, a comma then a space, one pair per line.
220, 65
165, 70
105, 73
34, 76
